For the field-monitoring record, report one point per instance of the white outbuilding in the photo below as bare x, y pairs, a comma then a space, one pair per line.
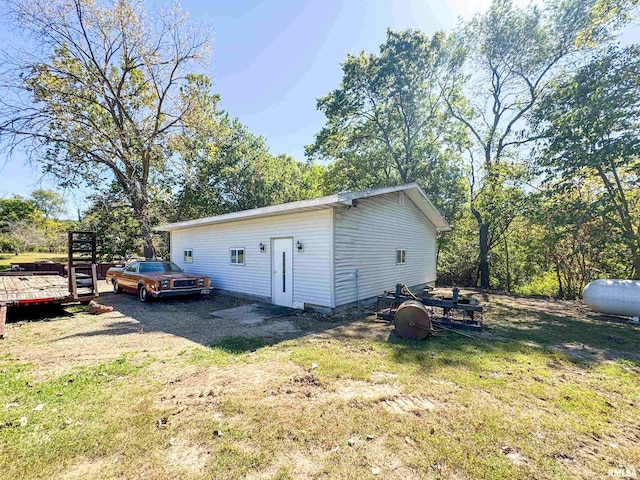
321, 253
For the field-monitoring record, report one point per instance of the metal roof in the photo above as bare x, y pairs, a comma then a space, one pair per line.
412, 190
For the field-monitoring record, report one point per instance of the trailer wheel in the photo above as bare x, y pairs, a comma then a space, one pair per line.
116, 286
143, 295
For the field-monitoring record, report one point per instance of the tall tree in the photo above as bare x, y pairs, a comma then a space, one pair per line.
234, 170
591, 122
226, 168
16, 209
575, 241
387, 123
118, 232
512, 55
96, 95
49, 202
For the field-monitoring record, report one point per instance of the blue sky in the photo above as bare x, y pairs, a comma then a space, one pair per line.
272, 59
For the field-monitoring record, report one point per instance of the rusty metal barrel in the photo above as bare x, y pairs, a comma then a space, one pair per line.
412, 320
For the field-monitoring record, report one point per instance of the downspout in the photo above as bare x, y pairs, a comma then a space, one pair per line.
357, 276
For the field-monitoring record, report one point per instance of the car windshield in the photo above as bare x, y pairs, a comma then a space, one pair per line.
159, 267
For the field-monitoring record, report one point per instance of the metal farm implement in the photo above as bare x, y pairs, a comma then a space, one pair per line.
415, 318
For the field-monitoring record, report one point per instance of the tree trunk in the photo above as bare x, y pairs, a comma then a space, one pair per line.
147, 240
484, 255
141, 209
559, 277
506, 254
483, 243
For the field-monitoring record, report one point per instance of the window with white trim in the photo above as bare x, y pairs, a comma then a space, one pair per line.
188, 256
401, 256
237, 256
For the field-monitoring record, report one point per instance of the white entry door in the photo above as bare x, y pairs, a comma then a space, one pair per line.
282, 272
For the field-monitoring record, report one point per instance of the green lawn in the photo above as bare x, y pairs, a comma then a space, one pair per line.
547, 392
6, 259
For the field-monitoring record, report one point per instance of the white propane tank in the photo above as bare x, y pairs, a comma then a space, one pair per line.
614, 297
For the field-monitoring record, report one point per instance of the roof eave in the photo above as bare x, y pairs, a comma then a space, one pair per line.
269, 211
427, 208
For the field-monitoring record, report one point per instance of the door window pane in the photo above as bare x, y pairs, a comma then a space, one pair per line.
284, 272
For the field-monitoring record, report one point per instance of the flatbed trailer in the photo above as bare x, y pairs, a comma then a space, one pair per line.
25, 288
42, 287
39, 288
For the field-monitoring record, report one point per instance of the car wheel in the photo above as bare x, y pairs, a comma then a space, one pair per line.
116, 287
143, 295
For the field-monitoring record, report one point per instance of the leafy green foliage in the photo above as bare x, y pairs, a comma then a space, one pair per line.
118, 232
227, 168
591, 122
49, 202
25, 226
387, 123
458, 253
511, 56
16, 209
545, 284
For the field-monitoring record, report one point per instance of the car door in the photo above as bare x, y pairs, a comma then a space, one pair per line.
129, 278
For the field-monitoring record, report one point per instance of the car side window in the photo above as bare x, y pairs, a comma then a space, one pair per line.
132, 268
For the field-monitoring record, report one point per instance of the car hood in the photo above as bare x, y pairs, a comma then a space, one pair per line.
169, 276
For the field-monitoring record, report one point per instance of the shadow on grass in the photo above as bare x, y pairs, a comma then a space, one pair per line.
587, 337
514, 325
240, 345
533, 325
451, 350
34, 313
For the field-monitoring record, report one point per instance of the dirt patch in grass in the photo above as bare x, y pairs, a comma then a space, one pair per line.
182, 455
408, 404
383, 377
515, 456
205, 388
87, 469
306, 385
357, 389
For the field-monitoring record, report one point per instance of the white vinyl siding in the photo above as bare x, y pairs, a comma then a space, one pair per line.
212, 244
367, 238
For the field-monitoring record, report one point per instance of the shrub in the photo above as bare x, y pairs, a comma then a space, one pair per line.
545, 284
